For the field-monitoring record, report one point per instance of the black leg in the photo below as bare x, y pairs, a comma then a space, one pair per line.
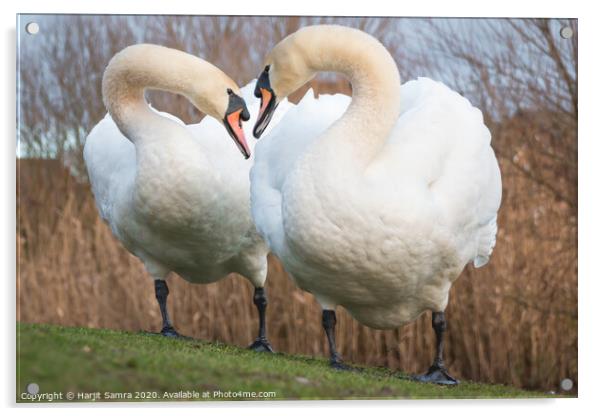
161, 292
261, 344
437, 373
329, 321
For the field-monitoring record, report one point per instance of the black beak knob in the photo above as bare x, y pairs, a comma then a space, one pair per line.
245, 116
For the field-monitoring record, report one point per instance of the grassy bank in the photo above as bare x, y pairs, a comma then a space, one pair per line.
80, 360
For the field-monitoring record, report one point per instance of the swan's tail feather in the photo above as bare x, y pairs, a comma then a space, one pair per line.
486, 243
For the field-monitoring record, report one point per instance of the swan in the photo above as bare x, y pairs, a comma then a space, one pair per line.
375, 203
177, 196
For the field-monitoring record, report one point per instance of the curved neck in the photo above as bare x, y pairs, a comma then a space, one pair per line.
375, 82
143, 66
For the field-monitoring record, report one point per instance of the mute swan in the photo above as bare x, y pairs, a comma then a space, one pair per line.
375, 203
177, 196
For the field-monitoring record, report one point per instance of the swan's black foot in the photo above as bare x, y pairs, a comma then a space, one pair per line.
261, 345
340, 366
438, 375
170, 332
337, 363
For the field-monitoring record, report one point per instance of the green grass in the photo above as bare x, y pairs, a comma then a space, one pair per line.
61, 359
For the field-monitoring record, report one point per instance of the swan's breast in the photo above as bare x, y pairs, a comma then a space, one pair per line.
364, 249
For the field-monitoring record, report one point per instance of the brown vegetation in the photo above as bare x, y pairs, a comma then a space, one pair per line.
514, 321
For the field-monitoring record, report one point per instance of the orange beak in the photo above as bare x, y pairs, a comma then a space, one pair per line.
234, 126
266, 96
266, 111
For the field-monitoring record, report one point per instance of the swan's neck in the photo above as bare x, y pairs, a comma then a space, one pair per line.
374, 77
142, 67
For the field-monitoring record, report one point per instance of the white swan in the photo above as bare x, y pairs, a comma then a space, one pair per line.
375, 204
177, 196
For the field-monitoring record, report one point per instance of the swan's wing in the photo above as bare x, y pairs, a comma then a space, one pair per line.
440, 146
277, 151
111, 162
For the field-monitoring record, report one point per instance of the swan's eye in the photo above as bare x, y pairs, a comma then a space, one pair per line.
229, 91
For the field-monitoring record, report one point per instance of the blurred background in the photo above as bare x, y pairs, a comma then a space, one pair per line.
512, 322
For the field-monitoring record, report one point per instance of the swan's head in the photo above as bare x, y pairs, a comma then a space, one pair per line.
224, 103
286, 70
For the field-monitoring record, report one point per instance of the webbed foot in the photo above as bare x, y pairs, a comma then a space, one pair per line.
337, 363
437, 374
261, 345
170, 332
